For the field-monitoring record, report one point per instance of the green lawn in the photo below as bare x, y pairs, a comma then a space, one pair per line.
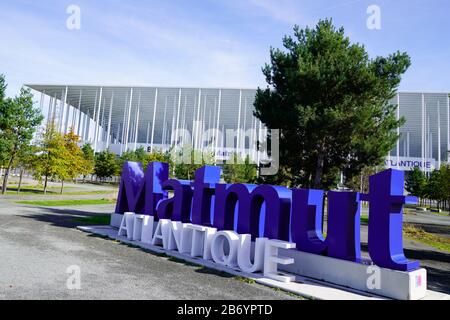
56, 191
364, 219
62, 203
420, 235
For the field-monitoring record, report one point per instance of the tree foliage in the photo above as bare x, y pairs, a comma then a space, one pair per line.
88, 162
415, 183
51, 158
19, 121
330, 101
238, 170
105, 165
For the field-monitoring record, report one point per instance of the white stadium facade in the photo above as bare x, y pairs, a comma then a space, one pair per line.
157, 118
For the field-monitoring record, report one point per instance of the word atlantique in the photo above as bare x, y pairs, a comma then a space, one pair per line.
229, 223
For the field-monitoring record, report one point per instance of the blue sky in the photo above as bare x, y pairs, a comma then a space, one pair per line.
210, 43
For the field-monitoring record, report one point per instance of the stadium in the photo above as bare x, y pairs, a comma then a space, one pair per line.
157, 118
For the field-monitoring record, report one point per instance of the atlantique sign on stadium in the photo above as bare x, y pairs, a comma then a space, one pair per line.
273, 231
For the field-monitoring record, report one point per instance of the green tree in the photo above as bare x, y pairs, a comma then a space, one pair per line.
74, 157
330, 101
445, 184
238, 170
18, 123
127, 156
51, 159
360, 182
140, 155
438, 186
88, 162
416, 181
187, 160
158, 156
105, 165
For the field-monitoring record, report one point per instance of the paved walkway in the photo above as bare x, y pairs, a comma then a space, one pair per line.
39, 244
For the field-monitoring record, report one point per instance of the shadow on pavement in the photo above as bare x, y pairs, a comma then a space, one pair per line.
64, 218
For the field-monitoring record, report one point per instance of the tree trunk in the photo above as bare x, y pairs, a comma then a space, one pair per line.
319, 170
62, 186
5, 180
20, 180
45, 184
6, 177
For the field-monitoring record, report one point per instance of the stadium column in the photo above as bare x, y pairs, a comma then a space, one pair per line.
238, 142
93, 118
61, 112
49, 113
154, 118
97, 119
448, 128
55, 102
122, 127
128, 120
439, 134
178, 118
218, 120
136, 131
79, 113
423, 129
196, 131
108, 135
66, 110
41, 102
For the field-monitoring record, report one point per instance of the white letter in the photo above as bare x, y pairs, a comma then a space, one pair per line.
374, 20
143, 228
244, 253
218, 250
174, 235
160, 236
200, 238
74, 20
127, 225
271, 260
147, 229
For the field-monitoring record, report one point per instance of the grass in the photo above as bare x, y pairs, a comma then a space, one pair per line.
364, 219
63, 203
443, 213
245, 280
97, 220
417, 234
56, 191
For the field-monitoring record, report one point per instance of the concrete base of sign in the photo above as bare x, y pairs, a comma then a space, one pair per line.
384, 282
316, 276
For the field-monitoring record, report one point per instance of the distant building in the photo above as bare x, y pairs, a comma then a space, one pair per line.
126, 118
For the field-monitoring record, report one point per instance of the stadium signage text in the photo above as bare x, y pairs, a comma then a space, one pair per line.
243, 225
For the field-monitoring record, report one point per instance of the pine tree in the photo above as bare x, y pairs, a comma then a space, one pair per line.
331, 103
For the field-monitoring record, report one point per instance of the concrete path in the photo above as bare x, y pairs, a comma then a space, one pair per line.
37, 246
